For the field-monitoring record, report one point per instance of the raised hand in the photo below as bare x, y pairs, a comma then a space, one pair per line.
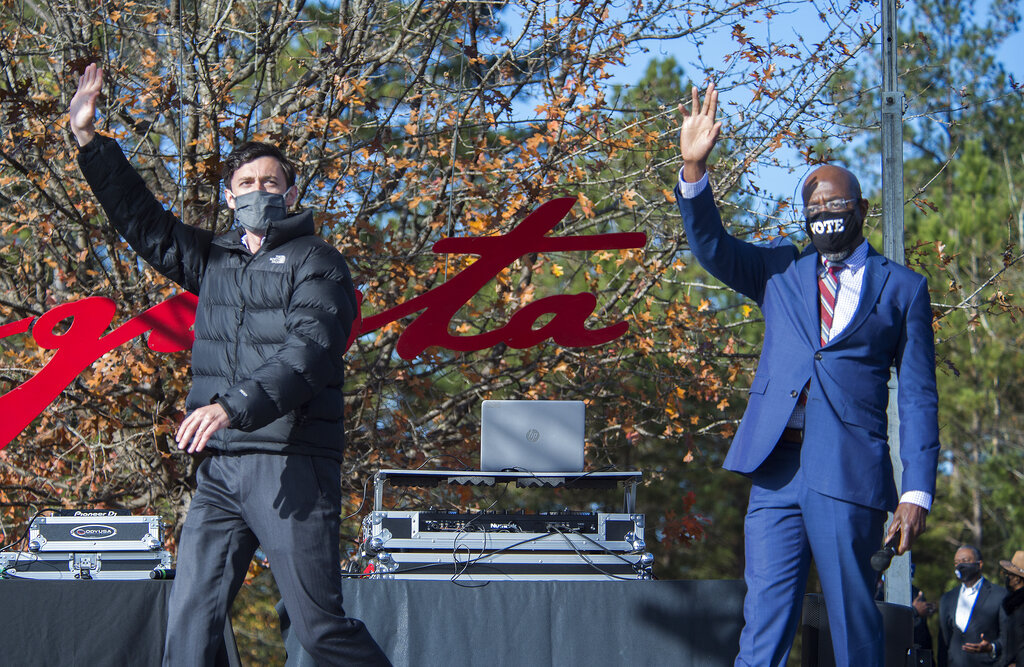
699, 132
82, 111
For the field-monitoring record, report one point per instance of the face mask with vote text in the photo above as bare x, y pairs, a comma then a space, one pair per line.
834, 233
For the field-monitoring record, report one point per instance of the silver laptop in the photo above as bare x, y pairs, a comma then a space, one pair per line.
532, 436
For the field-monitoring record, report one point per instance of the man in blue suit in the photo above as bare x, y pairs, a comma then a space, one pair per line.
813, 439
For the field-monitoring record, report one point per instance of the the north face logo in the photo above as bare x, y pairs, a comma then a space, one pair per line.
277, 259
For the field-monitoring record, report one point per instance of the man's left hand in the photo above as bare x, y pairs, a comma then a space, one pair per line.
909, 519
197, 428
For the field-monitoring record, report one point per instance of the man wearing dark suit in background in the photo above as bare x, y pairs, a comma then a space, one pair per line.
971, 617
813, 438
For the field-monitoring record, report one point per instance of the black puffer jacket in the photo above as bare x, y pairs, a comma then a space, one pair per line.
270, 328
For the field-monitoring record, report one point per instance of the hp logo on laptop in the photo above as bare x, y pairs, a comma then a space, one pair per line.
533, 435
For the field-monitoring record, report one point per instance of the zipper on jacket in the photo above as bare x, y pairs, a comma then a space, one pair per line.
239, 319
240, 315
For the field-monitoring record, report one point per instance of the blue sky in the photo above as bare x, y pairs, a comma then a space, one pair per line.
804, 21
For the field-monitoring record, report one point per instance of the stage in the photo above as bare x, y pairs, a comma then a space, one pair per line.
426, 623
88, 624
418, 623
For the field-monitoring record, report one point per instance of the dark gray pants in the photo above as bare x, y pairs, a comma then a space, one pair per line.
289, 505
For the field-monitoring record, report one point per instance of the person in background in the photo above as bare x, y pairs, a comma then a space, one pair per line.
1013, 605
923, 609
971, 616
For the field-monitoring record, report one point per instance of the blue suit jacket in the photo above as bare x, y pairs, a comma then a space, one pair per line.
845, 453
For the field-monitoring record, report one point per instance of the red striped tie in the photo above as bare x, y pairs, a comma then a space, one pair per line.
828, 285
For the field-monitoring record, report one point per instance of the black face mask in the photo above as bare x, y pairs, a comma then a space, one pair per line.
835, 235
254, 211
967, 571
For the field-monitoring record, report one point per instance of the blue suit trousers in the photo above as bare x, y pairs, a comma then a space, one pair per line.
786, 525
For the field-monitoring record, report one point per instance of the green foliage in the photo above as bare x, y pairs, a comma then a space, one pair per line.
964, 180
414, 122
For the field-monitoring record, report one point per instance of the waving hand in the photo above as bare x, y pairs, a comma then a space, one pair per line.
82, 111
699, 132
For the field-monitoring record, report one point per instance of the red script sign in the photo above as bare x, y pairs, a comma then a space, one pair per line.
83, 342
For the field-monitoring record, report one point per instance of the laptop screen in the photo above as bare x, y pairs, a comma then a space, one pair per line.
532, 436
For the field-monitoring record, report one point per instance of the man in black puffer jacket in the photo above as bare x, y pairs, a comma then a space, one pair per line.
276, 307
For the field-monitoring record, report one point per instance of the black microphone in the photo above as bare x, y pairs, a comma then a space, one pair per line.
882, 558
165, 573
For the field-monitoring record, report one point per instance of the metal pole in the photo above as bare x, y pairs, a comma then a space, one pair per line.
897, 577
892, 139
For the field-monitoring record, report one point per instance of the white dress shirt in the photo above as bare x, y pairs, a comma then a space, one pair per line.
965, 603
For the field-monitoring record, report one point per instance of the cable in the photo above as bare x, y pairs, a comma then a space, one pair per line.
463, 556
583, 555
30, 558
568, 480
366, 483
474, 560
591, 563
442, 456
465, 566
479, 515
28, 528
